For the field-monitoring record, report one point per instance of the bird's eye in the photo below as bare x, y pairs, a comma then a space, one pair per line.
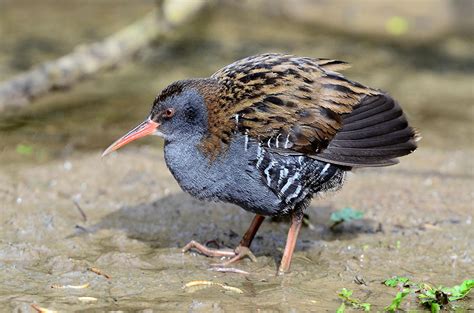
168, 113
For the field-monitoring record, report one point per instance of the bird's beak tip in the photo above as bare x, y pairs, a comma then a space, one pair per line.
106, 152
145, 128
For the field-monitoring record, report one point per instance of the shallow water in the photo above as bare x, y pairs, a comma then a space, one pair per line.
418, 215
137, 220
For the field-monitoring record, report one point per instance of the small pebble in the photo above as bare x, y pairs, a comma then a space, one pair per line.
67, 166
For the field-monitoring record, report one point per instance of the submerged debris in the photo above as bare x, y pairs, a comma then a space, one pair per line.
39, 309
81, 211
99, 272
207, 283
87, 299
56, 286
229, 270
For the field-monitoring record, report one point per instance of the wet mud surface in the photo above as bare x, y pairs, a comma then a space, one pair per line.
418, 223
418, 214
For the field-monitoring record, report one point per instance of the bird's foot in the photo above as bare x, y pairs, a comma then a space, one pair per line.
237, 254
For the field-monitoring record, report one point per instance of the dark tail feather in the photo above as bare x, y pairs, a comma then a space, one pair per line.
375, 133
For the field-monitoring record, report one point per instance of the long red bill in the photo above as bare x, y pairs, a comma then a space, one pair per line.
145, 128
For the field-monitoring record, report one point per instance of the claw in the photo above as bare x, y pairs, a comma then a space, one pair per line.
239, 253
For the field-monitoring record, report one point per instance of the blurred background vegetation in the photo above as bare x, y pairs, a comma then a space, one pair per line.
420, 51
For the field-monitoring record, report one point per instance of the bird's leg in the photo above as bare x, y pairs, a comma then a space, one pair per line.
238, 253
296, 221
247, 239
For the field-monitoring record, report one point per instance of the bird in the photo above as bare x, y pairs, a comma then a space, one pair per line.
268, 133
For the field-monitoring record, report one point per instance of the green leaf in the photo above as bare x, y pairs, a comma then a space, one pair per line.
426, 298
429, 296
398, 244
345, 293
24, 149
365, 306
459, 291
395, 281
427, 287
346, 296
341, 308
346, 214
397, 300
435, 307
397, 25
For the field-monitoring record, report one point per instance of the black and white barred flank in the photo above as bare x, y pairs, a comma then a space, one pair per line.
295, 179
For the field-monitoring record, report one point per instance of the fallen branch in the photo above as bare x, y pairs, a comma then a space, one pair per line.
87, 60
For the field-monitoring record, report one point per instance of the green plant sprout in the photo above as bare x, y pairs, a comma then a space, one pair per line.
24, 149
345, 215
346, 296
429, 296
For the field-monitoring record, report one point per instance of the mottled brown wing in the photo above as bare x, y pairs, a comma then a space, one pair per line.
288, 103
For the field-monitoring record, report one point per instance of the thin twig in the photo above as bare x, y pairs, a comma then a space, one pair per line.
229, 270
82, 228
39, 309
56, 286
207, 283
99, 272
81, 211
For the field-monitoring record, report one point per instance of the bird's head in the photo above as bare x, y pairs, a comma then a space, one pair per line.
179, 112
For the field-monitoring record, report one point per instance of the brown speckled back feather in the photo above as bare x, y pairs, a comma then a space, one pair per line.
298, 100
293, 105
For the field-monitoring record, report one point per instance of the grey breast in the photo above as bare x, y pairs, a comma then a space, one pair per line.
251, 176
230, 178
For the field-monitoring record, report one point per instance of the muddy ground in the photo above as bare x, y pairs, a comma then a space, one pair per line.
418, 214
418, 223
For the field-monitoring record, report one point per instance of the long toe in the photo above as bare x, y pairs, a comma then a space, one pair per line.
194, 245
239, 253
